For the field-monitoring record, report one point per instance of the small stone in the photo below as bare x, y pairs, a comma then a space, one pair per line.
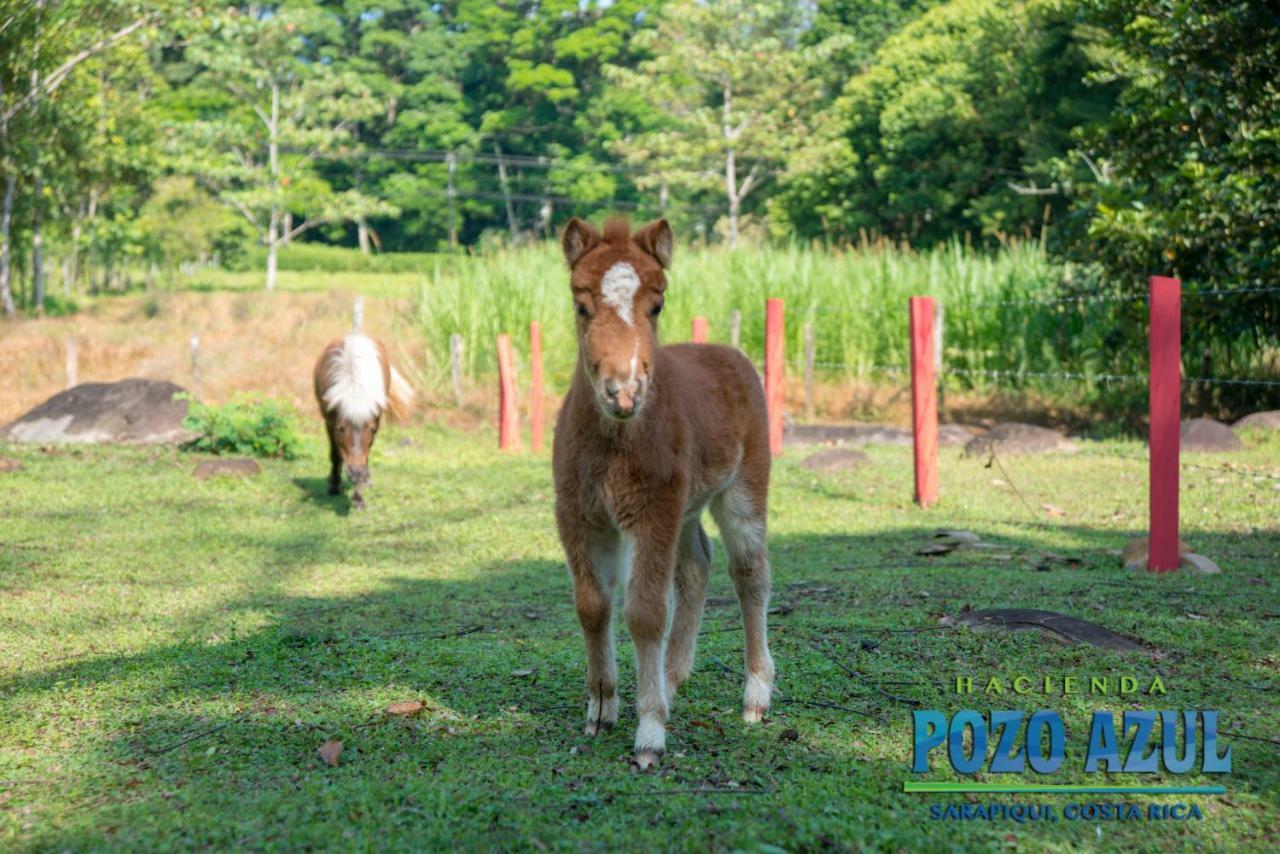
1204, 435
227, 467
1199, 563
1269, 420
1015, 438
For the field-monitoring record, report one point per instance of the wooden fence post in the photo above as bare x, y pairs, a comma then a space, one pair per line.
774, 352
195, 363
508, 411
924, 400
699, 330
73, 362
537, 413
810, 351
455, 366
1165, 402
735, 328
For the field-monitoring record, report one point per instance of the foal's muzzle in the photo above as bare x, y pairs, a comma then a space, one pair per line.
359, 475
622, 400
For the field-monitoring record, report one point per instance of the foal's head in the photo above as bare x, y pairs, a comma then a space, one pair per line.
618, 281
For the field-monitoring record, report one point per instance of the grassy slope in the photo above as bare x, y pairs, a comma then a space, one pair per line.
139, 609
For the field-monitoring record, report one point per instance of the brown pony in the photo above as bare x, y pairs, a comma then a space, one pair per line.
649, 437
355, 384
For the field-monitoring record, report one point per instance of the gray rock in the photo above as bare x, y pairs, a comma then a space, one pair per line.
846, 434
227, 467
1059, 627
950, 435
1269, 420
133, 410
835, 459
1016, 438
1204, 435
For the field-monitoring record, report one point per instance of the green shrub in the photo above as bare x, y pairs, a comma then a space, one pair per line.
317, 257
247, 424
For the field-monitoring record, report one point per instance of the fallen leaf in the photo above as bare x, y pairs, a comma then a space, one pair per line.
1052, 510
330, 751
1195, 616
404, 709
528, 672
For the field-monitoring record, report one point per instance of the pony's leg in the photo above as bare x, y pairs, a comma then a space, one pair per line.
335, 466
647, 609
596, 567
740, 513
693, 567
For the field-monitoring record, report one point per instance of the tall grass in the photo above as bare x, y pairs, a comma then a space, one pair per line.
855, 299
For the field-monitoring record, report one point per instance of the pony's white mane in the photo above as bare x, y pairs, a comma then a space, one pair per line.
354, 384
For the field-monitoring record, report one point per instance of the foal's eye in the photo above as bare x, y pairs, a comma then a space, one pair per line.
582, 311
657, 309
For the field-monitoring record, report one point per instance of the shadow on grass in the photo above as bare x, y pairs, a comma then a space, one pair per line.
496, 756
315, 490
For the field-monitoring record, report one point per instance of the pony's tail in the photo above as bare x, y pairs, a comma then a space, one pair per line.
399, 397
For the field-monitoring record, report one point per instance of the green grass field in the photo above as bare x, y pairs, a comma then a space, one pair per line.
173, 653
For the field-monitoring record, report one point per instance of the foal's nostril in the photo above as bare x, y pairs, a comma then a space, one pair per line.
611, 388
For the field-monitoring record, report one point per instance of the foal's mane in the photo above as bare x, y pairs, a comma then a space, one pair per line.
354, 386
617, 232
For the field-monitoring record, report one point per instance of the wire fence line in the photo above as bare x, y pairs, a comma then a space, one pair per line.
1014, 374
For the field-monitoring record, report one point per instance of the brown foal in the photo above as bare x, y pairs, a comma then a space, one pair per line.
648, 438
355, 385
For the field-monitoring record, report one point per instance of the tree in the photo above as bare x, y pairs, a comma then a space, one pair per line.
1186, 173
962, 123
732, 88
282, 101
44, 44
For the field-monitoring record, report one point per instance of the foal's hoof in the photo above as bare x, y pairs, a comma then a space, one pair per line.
646, 759
753, 714
597, 727
335, 489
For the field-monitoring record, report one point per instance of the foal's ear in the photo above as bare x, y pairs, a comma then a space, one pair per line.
655, 239
578, 239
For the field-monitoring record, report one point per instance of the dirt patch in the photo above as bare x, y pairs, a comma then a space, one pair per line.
133, 410
227, 467
835, 459
8, 464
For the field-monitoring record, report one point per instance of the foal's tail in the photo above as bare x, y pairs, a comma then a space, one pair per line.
399, 397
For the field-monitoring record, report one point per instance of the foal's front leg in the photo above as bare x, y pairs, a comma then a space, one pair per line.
648, 613
596, 566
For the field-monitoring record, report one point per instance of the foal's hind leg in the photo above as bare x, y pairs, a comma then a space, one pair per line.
693, 565
335, 466
740, 514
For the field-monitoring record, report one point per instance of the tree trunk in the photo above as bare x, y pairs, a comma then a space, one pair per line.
273, 226
735, 201
362, 235
37, 244
730, 166
285, 239
273, 247
6, 246
506, 191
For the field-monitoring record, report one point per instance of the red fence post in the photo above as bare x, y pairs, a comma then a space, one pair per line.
537, 413
1165, 401
699, 330
508, 413
774, 352
924, 400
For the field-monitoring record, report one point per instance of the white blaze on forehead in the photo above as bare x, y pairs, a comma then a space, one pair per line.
618, 287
